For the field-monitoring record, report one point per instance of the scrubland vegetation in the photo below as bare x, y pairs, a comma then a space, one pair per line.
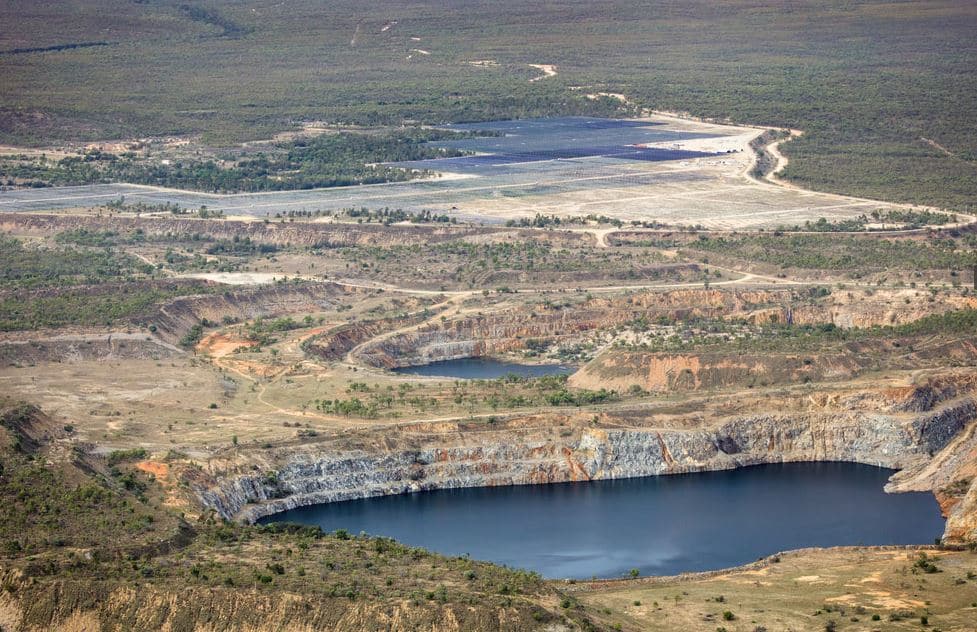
733, 336
462, 396
32, 268
248, 385
103, 494
882, 93
329, 160
467, 265
93, 525
844, 253
99, 285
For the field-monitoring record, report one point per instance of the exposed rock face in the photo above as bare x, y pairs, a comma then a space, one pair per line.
510, 330
174, 318
676, 372
862, 427
310, 477
204, 300
961, 524
952, 439
935, 430
470, 337
911, 427
669, 372
336, 343
891, 307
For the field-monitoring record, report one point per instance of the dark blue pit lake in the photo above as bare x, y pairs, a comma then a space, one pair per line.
661, 525
484, 369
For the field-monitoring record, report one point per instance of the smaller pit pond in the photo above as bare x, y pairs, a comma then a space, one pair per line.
484, 369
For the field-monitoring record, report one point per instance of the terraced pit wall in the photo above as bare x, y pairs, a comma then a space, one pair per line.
505, 331
510, 330
176, 317
657, 372
895, 429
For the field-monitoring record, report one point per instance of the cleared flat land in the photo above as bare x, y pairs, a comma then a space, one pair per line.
856, 589
658, 169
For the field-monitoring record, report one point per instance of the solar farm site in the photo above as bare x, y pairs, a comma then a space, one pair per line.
662, 169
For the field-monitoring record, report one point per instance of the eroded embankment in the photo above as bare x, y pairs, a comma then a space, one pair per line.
173, 319
86, 347
548, 323
663, 372
337, 342
70, 604
304, 234
511, 329
894, 428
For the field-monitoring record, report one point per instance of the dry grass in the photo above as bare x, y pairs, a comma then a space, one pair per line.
804, 591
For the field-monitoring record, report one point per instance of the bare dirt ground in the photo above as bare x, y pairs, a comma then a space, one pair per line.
196, 400
549, 70
713, 192
781, 164
935, 145
856, 589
